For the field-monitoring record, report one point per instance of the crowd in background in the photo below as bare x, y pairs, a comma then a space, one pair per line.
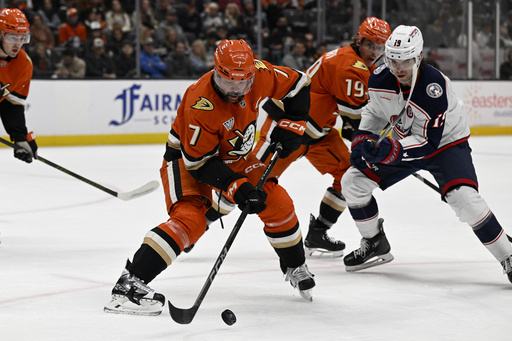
96, 38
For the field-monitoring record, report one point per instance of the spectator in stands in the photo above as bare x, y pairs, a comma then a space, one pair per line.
484, 37
117, 15
98, 63
43, 66
432, 57
210, 44
40, 33
321, 48
94, 32
171, 20
146, 15
198, 59
151, 64
125, 61
178, 63
505, 38
212, 16
161, 8
49, 16
170, 42
115, 41
296, 58
231, 15
70, 65
506, 67
191, 22
72, 32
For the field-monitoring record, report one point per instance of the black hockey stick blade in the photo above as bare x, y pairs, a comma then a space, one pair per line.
185, 316
140, 191
438, 190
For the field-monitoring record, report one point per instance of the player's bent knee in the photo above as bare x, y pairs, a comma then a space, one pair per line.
188, 215
356, 187
468, 205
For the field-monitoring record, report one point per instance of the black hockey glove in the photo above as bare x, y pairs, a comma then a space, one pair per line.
246, 196
289, 133
349, 127
26, 150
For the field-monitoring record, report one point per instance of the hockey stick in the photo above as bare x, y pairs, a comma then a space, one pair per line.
438, 190
185, 316
143, 190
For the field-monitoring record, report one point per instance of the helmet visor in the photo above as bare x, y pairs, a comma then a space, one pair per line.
400, 65
17, 38
233, 87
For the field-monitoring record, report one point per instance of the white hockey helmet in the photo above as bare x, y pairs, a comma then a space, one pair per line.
404, 43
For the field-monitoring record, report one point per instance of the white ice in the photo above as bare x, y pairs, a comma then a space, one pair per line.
64, 244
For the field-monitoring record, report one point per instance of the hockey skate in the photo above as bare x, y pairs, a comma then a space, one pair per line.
302, 279
507, 267
318, 243
373, 251
132, 296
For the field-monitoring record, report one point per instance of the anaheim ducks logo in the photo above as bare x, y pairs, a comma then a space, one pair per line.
203, 104
3, 89
259, 65
242, 143
360, 65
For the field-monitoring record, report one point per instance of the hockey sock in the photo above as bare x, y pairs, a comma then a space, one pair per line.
492, 235
366, 218
331, 207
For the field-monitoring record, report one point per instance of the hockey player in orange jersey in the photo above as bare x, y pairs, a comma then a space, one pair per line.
209, 146
15, 75
339, 82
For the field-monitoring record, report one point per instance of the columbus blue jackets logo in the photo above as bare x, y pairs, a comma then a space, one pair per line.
379, 69
434, 90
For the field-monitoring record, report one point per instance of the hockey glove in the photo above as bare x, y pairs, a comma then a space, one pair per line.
246, 196
289, 133
349, 127
389, 151
356, 157
26, 150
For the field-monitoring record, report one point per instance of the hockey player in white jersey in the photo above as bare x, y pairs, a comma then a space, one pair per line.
432, 135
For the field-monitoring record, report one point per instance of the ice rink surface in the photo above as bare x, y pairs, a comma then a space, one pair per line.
64, 244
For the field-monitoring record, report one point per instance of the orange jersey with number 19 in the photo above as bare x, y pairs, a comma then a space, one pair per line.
339, 82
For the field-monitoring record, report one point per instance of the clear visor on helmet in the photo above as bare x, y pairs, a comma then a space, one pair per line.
372, 46
400, 65
232, 87
17, 38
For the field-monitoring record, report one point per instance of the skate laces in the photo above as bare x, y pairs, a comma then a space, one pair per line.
330, 239
507, 266
298, 274
365, 246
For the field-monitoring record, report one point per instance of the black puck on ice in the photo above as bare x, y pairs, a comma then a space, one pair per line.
228, 317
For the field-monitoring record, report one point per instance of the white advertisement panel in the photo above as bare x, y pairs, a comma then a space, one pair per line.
88, 107
488, 103
118, 107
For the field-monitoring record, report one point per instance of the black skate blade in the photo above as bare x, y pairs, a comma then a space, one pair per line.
182, 316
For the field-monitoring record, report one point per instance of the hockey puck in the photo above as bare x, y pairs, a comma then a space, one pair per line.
228, 317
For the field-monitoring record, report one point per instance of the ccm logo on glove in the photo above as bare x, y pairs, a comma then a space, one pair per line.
298, 127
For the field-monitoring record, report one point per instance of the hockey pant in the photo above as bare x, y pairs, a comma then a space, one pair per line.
187, 202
